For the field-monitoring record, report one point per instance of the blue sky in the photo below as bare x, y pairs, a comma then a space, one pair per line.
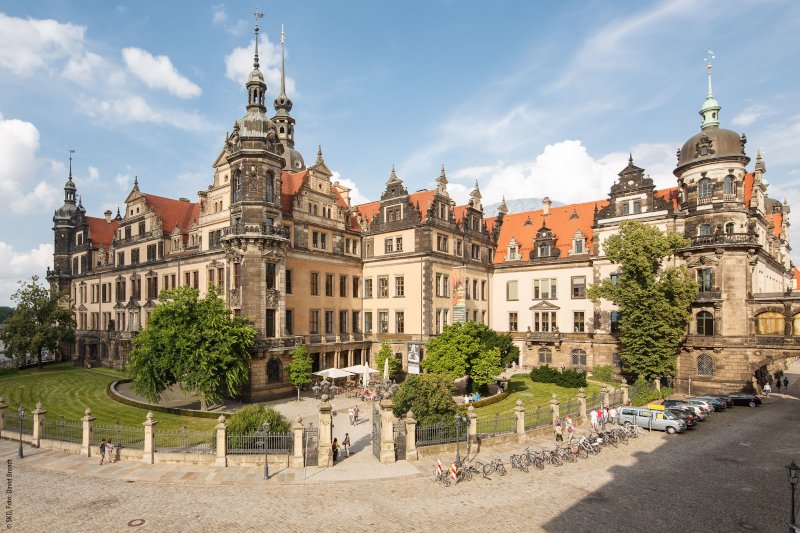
529, 98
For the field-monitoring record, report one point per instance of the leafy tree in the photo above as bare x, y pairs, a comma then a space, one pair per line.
194, 342
653, 301
5, 312
249, 419
459, 351
395, 364
429, 396
300, 368
40, 321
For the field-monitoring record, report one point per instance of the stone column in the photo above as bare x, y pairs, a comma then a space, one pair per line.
554, 408
472, 419
325, 457
3, 407
88, 429
519, 414
582, 403
387, 432
624, 388
296, 461
148, 452
604, 395
38, 418
222, 442
411, 437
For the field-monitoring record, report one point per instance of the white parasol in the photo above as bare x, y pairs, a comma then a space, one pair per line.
386, 369
333, 373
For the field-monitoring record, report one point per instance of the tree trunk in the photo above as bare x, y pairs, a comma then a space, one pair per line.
203, 403
40, 358
298, 394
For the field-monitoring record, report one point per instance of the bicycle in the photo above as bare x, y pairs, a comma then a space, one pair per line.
535, 458
552, 457
490, 468
590, 447
577, 450
442, 477
621, 435
517, 461
565, 453
633, 431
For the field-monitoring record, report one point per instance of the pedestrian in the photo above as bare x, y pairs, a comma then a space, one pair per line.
346, 444
600, 419
605, 415
785, 382
613, 415
351, 414
102, 451
559, 430
570, 428
778, 385
355, 414
335, 449
767, 389
593, 419
110, 451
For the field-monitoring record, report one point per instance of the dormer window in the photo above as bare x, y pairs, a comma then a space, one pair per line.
544, 250
577, 246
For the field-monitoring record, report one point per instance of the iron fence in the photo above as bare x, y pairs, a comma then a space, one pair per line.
593, 402
539, 417
571, 408
497, 425
13, 424
62, 430
254, 443
121, 436
185, 441
440, 434
615, 398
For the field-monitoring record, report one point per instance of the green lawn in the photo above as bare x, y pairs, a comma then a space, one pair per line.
533, 395
67, 391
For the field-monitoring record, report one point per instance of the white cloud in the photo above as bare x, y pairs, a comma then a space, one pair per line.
93, 173
158, 72
356, 196
750, 114
21, 193
239, 64
124, 181
20, 266
28, 45
134, 108
218, 15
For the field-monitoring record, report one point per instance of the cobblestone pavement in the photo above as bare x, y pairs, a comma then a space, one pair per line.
728, 475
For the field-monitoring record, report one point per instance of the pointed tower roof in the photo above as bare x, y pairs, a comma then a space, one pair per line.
503, 208
710, 108
282, 103
393, 178
319, 154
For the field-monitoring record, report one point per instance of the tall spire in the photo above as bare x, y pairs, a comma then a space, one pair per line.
256, 87
71, 151
283, 61
710, 109
255, 58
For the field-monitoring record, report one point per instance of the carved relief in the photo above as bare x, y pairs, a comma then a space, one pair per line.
704, 147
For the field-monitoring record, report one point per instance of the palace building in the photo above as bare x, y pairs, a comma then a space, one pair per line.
290, 252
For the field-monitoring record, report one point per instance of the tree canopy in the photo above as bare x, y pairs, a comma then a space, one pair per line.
469, 349
41, 320
428, 396
194, 342
654, 302
395, 364
5, 312
300, 368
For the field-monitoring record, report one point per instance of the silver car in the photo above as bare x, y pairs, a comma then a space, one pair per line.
652, 419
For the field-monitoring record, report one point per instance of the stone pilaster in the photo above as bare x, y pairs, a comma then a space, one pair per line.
296, 460
582, 403
519, 415
411, 437
387, 432
624, 388
222, 442
148, 451
604, 395
38, 419
88, 429
325, 455
3, 407
472, 419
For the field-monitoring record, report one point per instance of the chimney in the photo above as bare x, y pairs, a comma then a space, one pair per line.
546, 203
108, 216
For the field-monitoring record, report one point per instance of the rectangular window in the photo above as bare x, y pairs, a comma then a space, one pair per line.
368, 288
383, 286
399, 322
323, 241
441, 243
328, 322
136, 289
475, 290
121, 259
614, 321
483, 290
288, 282
512, 322
328, 284
187, 279
626, 208
388, 245
289, 322
356, 322
476, 252
343, 286
315, 239
438, 284
315, 284
398, 244
368, 322
269, 330
637, 206
705, 278
511, 290
383, 321
544, 321
271, 275
466, 289
579, 287
135, 256
151, 252
614, 278
343, 321
313, 323
459, 248
578, 322
544, 289
356, 285
121, 290
577, 246
399, 286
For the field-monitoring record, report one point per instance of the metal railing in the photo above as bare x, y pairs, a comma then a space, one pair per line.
496, 425
121, 436
63, 430
254, 443
12, 424
440, 434
541, 416
185, 441
259, 229
571, 408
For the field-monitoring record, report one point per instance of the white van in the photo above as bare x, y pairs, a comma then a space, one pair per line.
660, 420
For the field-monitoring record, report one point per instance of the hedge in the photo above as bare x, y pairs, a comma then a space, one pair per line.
493, 399
570, 379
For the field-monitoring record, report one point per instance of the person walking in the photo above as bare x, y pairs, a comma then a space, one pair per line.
612, 415
559, 430
346, 444
110, 451
102, 451
593, 419
335, 449
785, 382
570, 428
767, 388
605, 416
778, 384
351, 414
355, 414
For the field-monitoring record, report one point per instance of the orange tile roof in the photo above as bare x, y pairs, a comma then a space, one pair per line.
777, 222
173, 212
101, 233
796, 277
664, 195
368, 211
291, 183
423, 199
491, 222
749, 178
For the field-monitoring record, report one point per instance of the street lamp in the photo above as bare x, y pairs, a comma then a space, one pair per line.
265, 430
794, 473
21, 413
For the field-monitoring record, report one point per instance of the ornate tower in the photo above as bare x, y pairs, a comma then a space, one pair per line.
64, 224
284, 121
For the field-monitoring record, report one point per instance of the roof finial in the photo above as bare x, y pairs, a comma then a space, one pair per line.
630, 158
710, 108
136, 183
319, 154
258, 16
710, 57
503, 208
71, 151
283, 61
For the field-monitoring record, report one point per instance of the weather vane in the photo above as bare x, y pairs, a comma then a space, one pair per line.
710, 57
258, 15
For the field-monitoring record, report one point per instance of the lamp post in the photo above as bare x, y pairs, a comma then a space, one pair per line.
21, 413
265, 429
794, 473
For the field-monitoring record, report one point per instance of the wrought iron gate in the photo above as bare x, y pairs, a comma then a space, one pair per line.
376, 430
311, 445
399, 440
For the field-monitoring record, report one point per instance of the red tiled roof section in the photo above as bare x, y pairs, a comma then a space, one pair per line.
351, 223
491, 222
777, 222
173, 213
749, 178
423, 199
796, 278
664, 195
291, 183
368, 211
101, 232
560, 220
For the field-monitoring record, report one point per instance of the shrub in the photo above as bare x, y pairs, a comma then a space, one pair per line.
650, 396
248, 420
568, 378
7, 370
603, 373
429, 396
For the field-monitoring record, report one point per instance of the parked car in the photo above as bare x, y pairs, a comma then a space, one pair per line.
652, 419
686, 415
705, 404
699, 410
745, 398
724, 400
718, 404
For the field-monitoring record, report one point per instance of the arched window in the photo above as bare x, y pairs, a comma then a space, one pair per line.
770, 323
545, 356
274, 371
705, 365
729, 186
730, 228
705, 323
705, 230
704, 188
578, 358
